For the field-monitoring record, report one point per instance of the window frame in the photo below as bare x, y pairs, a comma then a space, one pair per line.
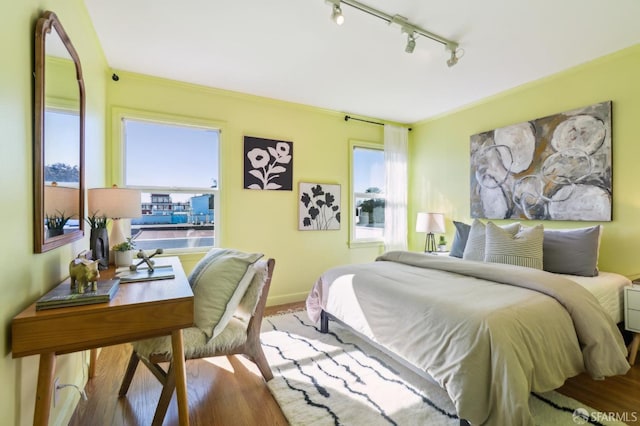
353, 241
117, 167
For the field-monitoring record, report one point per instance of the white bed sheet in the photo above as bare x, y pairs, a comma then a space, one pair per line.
607, 287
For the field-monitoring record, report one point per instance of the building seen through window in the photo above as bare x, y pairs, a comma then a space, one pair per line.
176, 168
368, 176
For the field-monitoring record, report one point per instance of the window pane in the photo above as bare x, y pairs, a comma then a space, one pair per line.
174, 220
172, 156
368, 193
368, 170
369, 220
176, 166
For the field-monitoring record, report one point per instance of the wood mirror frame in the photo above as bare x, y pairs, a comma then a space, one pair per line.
47, 28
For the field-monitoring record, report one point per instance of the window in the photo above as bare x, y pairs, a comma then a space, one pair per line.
367, 186
176, 168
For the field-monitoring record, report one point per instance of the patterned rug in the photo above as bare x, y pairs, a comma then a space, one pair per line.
339, 379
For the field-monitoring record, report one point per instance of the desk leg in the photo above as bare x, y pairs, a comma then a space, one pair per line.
93, 357
181, 377
44, 391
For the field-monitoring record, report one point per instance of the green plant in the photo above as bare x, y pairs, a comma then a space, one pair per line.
96, 222
443, 241
57, 221
125, 245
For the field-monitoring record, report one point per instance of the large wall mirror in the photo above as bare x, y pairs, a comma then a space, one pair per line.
58, 138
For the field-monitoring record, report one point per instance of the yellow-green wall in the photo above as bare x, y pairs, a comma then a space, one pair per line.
26, 276
439, 167
263, 221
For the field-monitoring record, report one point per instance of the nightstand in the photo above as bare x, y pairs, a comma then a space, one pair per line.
632, 318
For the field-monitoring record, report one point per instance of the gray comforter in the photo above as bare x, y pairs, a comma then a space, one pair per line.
486, 343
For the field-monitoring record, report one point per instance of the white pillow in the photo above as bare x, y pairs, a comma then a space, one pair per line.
249, 301
522, 249
218, 282
474, 250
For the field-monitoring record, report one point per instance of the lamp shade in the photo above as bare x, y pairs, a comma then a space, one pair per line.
61, 201
114, 203
432, 223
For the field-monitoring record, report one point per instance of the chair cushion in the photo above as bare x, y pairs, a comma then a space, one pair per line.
249, 301
195, 342
218, 282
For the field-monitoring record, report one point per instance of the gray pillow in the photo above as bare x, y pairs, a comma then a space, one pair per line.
572, 251
474, 250
521, 249
460, 239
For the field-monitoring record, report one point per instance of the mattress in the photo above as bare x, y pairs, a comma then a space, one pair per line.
607, 287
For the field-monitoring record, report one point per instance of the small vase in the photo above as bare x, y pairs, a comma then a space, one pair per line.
54, 232
123, 258
99, 244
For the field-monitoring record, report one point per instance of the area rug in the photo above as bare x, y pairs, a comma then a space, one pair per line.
339, 379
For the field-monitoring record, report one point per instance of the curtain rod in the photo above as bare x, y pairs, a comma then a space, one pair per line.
377, 123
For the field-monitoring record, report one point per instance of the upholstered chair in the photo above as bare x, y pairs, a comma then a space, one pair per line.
235, 331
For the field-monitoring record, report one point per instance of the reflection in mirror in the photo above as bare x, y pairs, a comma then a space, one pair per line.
60, 203
59, 138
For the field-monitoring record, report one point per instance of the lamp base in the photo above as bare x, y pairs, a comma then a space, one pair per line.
430, 243
99, 245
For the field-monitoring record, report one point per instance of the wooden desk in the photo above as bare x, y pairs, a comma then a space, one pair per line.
138, 310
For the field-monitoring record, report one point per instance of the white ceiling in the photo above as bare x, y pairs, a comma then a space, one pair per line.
291, 50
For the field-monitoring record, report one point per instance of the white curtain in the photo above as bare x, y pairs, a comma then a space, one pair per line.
396, 141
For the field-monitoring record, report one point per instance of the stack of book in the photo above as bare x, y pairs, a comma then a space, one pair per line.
62, 296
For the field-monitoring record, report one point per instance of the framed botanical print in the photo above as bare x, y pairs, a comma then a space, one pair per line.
318, 207
268, 164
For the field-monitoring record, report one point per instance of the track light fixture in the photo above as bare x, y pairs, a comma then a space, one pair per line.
411, 43
336, 13
456, 53
405, 26
453, 59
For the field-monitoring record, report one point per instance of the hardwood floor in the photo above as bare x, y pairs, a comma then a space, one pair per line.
231, 391
618, 394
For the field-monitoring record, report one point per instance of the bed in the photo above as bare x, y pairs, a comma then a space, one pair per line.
488, 333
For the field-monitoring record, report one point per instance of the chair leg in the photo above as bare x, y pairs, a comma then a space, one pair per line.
261, 362
165, 396
128, 375
253, 350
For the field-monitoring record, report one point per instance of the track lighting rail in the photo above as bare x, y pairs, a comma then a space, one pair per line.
407, 27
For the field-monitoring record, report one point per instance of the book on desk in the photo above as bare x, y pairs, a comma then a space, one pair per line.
159, 272
61, 296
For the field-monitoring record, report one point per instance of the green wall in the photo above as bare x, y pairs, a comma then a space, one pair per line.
263, 221
26, 276
439, 168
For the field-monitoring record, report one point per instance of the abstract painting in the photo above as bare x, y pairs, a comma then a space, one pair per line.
552, 168
319, 207
268, 164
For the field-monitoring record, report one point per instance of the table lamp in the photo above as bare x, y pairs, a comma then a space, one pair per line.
431, 223
60, 204
116, 204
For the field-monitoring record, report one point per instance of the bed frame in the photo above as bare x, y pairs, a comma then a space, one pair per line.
325, 317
